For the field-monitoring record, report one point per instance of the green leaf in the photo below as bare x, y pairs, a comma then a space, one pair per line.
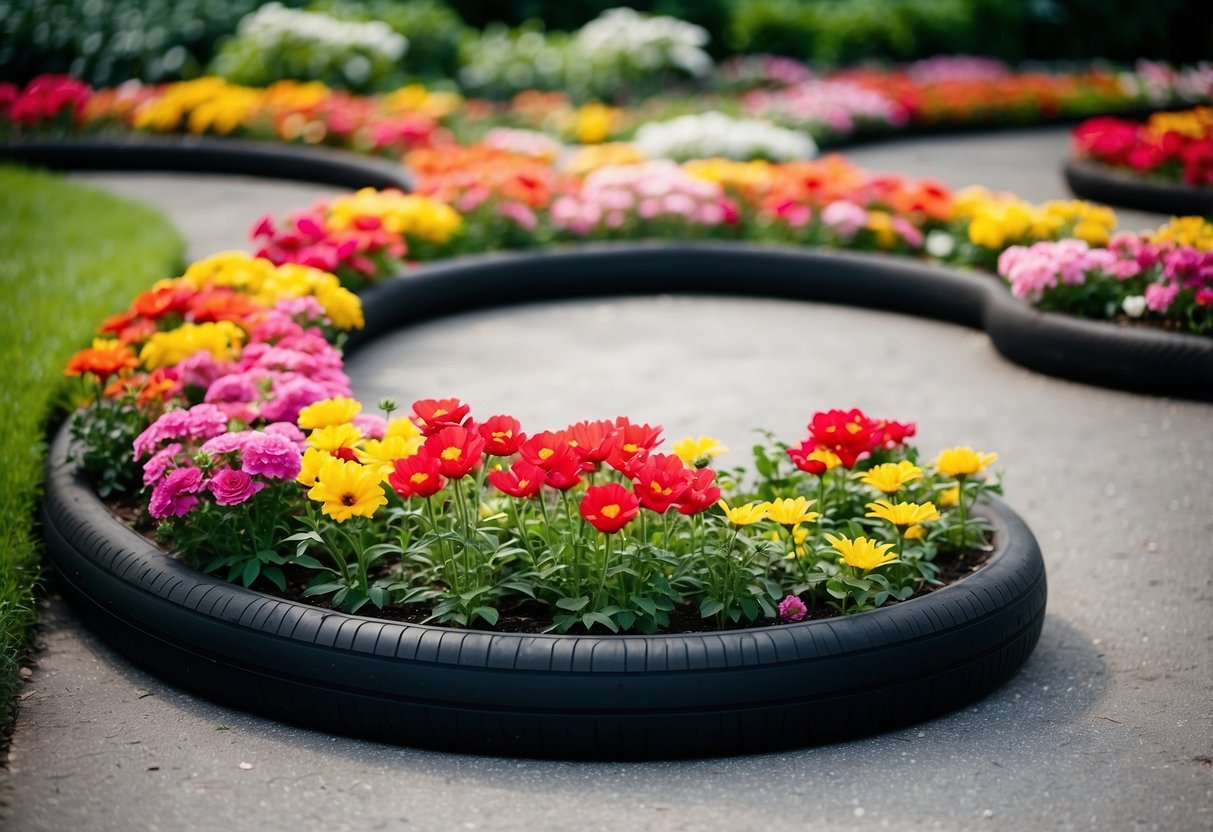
309, 562
710, 607
487, 613
648, 605
380, 596
322, 589
592, 618
252, 569
572, 604
274, 575
750, 607
626, 620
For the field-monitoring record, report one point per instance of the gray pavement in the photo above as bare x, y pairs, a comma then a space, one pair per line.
1107, 727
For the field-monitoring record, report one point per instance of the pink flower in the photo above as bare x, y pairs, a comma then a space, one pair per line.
231, 487
845, 218
155, 467
1160, 296
225, 443
792, 608
174, 495
202, 421
271, 455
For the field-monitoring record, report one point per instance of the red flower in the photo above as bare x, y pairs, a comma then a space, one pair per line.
888, 434
542, 448
592, 440
163, 299
609, 507
660, 481
522, 480
631, 445
102, 362
702, 492
563, 469
432, 415
800, 458
456, 450
849, 434
416, 476
502, 435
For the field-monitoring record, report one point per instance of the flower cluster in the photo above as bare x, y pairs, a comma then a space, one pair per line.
642, 198
1166, 276
714, 134
46, 100
1169, 146
993, 221
827, 107
250, 340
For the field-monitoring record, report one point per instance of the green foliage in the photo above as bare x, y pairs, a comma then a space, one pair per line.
277, 43
432, 27
60, 240
106, 42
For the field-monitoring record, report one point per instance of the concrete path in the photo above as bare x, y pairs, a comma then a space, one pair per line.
1108, 726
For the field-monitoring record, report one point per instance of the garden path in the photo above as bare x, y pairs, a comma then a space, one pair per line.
1107, 727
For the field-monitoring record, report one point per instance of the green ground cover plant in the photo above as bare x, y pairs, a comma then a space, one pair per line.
60, 240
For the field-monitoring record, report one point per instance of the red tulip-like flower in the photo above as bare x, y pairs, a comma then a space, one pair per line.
502, 435
522, 480
416, 476
888, 434
701, 494
632, 444
542, 448
849, 434
609, 507
432, 415
592, 440
660, 481
799, 455
563, 469
457, 451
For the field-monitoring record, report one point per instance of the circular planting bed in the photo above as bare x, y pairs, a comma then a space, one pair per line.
1101, 183
576, 696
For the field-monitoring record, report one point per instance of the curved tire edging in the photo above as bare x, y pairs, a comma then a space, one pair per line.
1140, 360
197, 154
1101, 183
616, 697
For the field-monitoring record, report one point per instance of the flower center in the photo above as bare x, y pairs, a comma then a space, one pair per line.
451, 454
611, 512
544, 453
419, 478
348, 499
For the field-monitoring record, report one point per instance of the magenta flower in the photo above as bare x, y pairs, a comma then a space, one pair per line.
1160, 296
202, 421
792, 609
174, 495
156, 467
231, 487
271, 455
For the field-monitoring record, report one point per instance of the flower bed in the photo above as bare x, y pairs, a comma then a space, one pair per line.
1164, 164
276, 656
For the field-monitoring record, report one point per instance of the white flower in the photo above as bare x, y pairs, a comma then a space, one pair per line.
940, 244
1134, 305
714, 134
273, 25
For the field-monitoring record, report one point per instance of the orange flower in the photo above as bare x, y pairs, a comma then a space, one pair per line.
103, 359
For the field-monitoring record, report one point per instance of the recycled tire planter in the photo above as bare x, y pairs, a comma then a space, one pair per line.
598, 697
198, 154
1101, 183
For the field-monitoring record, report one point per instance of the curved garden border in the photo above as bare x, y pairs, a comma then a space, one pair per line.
1137, 359
616, 697
200, 154
1101, 183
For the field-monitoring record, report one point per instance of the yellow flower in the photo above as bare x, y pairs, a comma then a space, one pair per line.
342, 306
950, 496
408, 214
222, 339
962, 461
916, 533
313, 458
594, 123
799, 535
1195, 232
404, 428
789, 512
698, 452
595, 156
903, 514
891, 476
381, 453
861, 552
334, 437
328, 412
744, 515
881, 225
347, 489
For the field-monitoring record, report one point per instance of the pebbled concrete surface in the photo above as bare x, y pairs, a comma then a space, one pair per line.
1107, 727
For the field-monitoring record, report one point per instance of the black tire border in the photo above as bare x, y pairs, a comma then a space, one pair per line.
1100, 183
201, 154
1093, 352
576, 697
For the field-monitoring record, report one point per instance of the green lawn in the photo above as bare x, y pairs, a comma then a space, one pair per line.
69, 256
